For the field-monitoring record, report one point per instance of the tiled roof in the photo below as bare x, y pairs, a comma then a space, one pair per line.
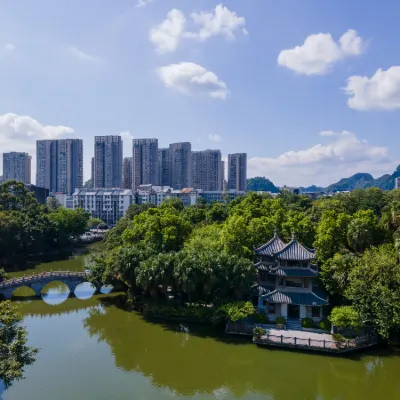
303, 272
275, 245
307, 299
320, 292
263, 290
295, 251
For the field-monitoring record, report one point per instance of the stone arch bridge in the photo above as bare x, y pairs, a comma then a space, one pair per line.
38, 281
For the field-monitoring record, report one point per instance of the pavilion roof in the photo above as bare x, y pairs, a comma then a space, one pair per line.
275, 245
295, 251
298, 298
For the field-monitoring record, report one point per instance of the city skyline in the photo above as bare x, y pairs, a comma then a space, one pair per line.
298, 88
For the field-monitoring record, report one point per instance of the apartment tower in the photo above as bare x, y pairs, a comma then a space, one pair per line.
237, 172
145, 162
127, 172
181, 165
59, 165
17, 166
207, 170
164, 167
107, 162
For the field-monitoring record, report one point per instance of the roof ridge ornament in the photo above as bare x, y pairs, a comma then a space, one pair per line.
294, 236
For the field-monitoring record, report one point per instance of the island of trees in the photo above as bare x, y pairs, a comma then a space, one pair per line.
202, 254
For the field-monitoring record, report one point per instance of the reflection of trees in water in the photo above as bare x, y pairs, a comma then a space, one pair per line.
208, 362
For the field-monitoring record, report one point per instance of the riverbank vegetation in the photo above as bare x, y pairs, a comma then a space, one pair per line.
29, 228
14, 354
203, 254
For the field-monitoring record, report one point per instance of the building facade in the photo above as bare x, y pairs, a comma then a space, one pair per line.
397, 183
145, 162
17, 166
288, 285
164, 167
237, 171
181, 165
127, 173
107, 162
108, 205
207, 170
59, 165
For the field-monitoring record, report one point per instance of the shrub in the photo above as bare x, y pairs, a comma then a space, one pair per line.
261, 318
237, 311
325, 325
259, 332
280, 321
338, 338
307, 323
345, 317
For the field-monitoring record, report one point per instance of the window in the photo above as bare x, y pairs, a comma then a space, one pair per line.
271, 308
292, 283
316, 312
263, 275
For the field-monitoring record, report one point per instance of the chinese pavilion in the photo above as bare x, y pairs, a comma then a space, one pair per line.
287, 280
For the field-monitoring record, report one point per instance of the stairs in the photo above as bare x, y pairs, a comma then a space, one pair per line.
293, 324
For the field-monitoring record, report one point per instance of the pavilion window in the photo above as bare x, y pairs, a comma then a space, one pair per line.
292, 263
271, 308
294, 283
316, 312
262, 275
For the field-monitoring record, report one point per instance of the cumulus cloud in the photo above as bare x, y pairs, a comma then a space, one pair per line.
320, 52
343, 155
10, 47
20, 132
193, 79
380, 92
167, 36
215, 138
143, 3
75, 52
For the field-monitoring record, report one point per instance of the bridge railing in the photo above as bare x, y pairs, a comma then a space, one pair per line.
41, 276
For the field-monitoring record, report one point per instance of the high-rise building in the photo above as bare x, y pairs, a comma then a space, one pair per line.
127, 173
92, 171
59, 165
17, 166
181, 165
397, 183
107, 162
237, 171
207, 170
145, 162
164, 166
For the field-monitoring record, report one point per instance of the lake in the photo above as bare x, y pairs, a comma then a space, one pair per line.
91, 348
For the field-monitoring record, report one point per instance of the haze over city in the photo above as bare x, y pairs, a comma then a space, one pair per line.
302, 88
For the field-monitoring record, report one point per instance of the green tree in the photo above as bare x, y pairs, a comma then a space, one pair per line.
14, 353
363, 230
52, 203
345, 317
94, 223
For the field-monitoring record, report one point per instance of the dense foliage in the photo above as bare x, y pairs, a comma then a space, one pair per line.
27, 227
14, 354
204, 253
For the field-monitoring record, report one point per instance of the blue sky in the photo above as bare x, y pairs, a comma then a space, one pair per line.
221, 75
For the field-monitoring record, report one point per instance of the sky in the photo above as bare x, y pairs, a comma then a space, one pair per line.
309, 89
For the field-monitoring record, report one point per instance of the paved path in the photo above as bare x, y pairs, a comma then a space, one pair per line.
299, 334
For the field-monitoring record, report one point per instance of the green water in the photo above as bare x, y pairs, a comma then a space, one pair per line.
93, 349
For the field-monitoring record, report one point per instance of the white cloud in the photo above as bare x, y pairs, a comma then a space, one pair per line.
380, 92
215, 138
10, 47
167, 35
342, 156
220, 22
74, 51
192, 79
20, 132
320, 52
143, 3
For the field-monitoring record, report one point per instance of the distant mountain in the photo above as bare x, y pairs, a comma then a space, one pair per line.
357, 181
261, 184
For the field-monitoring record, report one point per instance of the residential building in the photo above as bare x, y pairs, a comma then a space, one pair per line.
288, 287
107, 162
92, 171
219, 196
164, 166
109, 205
181, 165
207, 170
17, 166
59, 165
237, 171
145, 162
397, 183
127, 173
41, 194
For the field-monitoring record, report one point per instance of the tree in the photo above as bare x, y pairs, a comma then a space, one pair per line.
14, 354
236, 311
94, 223
345, 317
136, 209
374, 288
52, 203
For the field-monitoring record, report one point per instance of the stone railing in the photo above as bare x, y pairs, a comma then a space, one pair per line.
40, 277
